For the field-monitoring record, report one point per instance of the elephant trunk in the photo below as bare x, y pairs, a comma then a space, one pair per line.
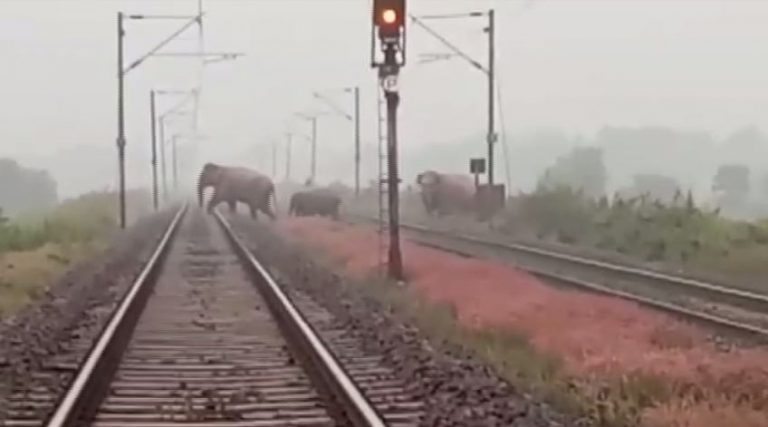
201, 185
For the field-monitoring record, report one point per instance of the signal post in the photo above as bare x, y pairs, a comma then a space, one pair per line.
388, 34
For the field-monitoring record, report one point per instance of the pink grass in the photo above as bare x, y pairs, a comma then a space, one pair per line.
595, 336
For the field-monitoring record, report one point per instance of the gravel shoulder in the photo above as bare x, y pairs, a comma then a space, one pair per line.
458, 389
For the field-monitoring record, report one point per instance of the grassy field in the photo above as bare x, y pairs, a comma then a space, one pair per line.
37, 249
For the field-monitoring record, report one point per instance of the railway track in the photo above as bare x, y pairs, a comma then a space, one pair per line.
205, 337
729, 308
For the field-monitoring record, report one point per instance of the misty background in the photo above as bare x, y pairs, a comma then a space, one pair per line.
675, 88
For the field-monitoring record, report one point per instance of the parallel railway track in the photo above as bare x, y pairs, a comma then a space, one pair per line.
206, 337
729, 308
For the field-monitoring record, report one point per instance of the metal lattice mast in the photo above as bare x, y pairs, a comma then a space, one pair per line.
382, 180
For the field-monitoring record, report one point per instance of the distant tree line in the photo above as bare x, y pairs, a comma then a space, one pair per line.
583, 169
24, 189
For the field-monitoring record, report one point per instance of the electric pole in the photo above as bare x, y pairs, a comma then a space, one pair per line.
312, 119
491, 108
490, 197
288, 157
155, 201
274, 159
355, 91
122, 71
313, 169
488, 70
393, 101
357, 141
389, 19
163, 173
120, 118
175, 164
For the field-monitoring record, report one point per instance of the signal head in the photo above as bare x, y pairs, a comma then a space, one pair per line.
389, 16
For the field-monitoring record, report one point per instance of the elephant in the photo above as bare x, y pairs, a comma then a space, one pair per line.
313, 202
237, 184
446, 193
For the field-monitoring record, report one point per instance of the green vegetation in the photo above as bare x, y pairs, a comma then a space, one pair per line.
36, 250
679, 233
76, 220
616, 402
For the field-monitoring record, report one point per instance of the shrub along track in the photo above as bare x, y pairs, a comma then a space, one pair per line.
41, 346
739, 312
457, 389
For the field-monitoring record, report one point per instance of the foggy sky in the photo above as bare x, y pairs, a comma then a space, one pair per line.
577, 65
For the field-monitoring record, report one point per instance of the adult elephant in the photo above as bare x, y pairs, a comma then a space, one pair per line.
446, 193
236, 184
315, 202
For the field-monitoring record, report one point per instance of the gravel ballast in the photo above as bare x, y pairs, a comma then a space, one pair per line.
458, 390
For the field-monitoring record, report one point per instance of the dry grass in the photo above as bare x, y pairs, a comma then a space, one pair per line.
620, 363
25, 275
37, 249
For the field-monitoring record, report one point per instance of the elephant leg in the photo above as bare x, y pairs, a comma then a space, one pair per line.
254, 212
232, 206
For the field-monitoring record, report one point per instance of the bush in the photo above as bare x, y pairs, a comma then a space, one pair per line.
77, 220
678, 232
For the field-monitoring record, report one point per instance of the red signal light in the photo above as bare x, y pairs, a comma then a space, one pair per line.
389, 16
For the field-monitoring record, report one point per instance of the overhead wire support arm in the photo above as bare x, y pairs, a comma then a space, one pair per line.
449, 45
180, 104
220, 55
454, 15
163, 43
141, 16
432, 57
333, 106
174, 91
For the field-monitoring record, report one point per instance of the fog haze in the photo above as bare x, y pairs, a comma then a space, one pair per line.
568, 68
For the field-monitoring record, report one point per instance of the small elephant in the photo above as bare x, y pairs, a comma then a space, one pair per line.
237, 184
315, 202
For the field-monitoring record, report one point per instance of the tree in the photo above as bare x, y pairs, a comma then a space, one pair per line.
582, 169
764, 186
658, 187
23, 189
731, 182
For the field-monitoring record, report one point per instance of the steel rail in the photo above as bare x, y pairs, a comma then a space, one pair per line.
356, 406
603, 265
81, 391
736, 326
648, 302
